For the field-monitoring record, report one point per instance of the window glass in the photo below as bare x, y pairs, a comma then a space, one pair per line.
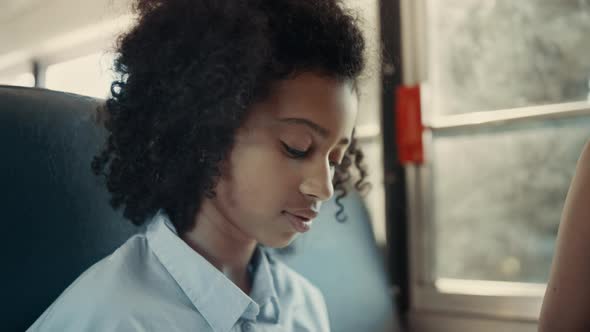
89, 75
369, 113
23, 79
375, 197
498, 197
498, 54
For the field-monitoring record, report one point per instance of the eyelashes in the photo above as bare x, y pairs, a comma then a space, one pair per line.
298, 154
294, 153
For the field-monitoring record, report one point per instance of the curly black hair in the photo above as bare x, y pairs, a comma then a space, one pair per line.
188, 72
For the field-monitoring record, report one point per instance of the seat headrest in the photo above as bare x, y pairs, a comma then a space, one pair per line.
56, 217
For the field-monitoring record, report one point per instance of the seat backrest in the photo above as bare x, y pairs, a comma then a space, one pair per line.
58, 222
343, 260
55, 214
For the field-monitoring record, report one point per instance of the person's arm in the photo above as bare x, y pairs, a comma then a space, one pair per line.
566, 306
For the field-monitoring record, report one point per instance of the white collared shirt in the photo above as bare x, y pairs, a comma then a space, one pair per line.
156, 282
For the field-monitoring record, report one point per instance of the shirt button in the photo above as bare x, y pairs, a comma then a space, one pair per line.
247, 327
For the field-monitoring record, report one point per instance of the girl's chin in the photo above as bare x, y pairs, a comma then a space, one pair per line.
279, 242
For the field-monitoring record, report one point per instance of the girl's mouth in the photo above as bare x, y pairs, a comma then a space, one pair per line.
300, 224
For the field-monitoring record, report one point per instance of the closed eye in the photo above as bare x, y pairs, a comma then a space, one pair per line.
294, 153
298, 154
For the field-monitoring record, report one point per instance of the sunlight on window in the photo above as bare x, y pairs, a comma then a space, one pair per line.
490, 55
498, 190
498, 219
24, 79
89, 75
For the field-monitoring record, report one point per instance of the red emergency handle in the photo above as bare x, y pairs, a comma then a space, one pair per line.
408, 125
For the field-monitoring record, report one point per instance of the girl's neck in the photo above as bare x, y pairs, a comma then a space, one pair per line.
222, 244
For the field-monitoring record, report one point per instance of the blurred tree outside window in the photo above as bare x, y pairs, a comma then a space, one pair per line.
498, 196
499, 54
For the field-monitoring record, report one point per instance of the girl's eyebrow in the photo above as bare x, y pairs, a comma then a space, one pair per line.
323, 132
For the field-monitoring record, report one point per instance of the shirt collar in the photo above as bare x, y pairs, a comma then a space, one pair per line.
263, 287
216, 297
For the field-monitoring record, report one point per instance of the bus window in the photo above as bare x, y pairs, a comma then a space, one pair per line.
22, 79
89, 75
507, 114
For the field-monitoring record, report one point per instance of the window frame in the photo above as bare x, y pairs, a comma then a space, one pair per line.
508, 301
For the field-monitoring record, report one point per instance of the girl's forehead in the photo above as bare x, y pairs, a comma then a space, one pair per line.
315, 97
308, 99
313, 85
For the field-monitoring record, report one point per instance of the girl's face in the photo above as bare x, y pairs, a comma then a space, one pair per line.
281, 167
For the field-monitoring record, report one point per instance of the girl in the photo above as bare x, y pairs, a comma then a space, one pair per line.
231, 123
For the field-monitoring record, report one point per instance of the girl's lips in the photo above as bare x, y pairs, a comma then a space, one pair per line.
301, 225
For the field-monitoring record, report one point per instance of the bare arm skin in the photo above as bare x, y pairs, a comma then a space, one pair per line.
566, 306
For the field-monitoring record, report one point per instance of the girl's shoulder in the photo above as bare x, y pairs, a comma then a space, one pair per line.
106, 295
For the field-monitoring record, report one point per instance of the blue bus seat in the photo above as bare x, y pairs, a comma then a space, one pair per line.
57, 221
